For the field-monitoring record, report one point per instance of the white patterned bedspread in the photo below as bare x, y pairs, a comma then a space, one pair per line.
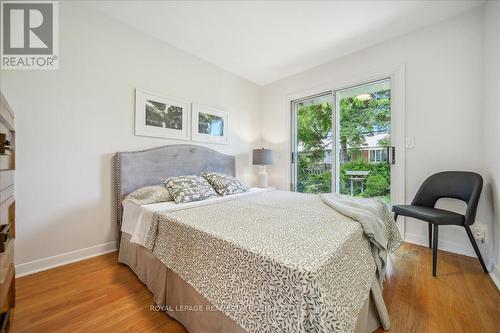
273, 262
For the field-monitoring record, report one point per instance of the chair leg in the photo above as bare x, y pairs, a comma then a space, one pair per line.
430, 235
474, 245
395, 216
434, 249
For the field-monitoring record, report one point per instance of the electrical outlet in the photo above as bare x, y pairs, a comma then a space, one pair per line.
479, 233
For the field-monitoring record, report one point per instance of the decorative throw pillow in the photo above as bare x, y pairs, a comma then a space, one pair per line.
150, 194
224, 184
189, 188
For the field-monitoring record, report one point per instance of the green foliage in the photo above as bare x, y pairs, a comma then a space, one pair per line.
316, 183
308, 181
314, 129
360, 118
314, 132
376, 186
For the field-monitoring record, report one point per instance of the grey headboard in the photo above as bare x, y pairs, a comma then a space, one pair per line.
137, 169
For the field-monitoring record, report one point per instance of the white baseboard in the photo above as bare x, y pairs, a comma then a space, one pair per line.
63, 259
495, 276
443, 245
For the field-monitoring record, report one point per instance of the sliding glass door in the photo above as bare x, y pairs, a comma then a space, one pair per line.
341, 142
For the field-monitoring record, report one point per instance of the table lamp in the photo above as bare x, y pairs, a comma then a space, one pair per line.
262, 157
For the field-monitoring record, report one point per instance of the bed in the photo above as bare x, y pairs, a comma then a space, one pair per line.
244, 263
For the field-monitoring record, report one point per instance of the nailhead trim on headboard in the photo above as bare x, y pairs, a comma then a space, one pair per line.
118, 200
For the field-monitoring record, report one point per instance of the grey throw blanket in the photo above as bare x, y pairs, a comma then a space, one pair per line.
377, 222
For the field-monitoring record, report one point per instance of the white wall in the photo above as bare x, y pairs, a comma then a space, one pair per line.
491, 95
443, 109
70, 121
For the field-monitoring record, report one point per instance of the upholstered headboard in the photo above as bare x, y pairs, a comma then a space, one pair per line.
137, 169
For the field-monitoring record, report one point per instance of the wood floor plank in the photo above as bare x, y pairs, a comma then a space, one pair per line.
101, 295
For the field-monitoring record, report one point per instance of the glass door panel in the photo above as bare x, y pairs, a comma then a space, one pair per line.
312, 144
363, 140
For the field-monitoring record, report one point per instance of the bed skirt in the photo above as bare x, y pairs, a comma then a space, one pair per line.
183, 303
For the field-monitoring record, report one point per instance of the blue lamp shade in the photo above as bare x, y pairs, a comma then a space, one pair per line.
262, 156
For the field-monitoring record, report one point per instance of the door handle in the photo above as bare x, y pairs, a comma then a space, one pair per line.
391, 155
4, 144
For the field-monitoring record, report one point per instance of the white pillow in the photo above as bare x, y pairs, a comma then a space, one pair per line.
150, 194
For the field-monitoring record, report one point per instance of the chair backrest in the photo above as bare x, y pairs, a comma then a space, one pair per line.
461, 185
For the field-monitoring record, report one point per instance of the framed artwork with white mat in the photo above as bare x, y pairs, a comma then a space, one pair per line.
209, 125
160, 116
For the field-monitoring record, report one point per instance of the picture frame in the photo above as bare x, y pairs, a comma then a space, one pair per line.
209, 124
160, 116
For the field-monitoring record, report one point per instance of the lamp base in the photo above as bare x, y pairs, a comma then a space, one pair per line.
262, 177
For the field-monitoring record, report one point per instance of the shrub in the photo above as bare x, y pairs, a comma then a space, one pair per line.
315, 183
376, 186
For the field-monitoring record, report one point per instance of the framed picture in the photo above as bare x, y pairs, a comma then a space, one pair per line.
160, 116
208, 124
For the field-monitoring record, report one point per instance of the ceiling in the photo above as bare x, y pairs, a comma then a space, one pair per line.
264, 41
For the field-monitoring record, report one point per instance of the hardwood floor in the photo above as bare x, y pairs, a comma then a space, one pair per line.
98, 295
461, 298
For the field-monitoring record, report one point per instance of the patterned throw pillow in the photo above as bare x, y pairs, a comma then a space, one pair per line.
224, 184
189, 188
150, 194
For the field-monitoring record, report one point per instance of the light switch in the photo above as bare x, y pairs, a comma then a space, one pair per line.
410, 142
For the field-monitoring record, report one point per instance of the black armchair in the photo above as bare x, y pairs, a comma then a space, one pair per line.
465, 186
